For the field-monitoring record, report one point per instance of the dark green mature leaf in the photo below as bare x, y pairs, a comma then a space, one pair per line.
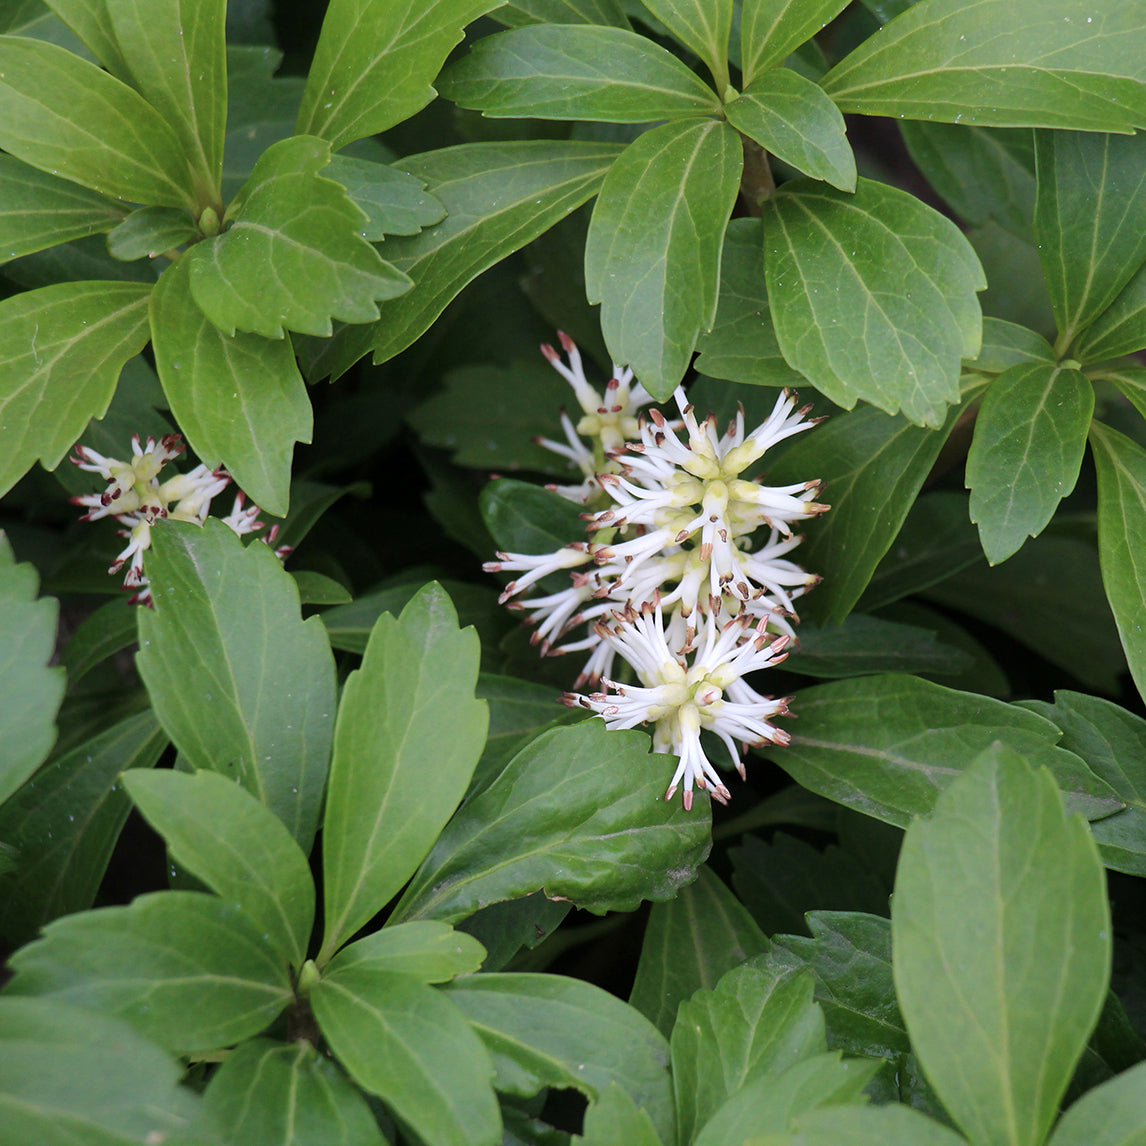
394, 201
375, 61
578, 813
999, 870
873, 296
1113, 1114
1030, 435
1121, 328
888, 745
1006, 344
1112, 741
527, 518
64, 822
68, 117
32, 691
556, 1031
702, 26
38, 210
240, 400
652, 257
759, 1020
616, 1120
883, 1125
185, 969
1090, 221
430, 951
240, 849
175, 58
242, 685
408, 1044
279, 1094
294, 256
997, 63
690, 942
518, 711
791, 117
1121, 465
742, 344
411, 701
771, 29
61, 350
560, 71
520, 12
70, 1075
150, 231
1131, 382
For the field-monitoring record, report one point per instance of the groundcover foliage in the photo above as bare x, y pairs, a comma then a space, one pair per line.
297, 848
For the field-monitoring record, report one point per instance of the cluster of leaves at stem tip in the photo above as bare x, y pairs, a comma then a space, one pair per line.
162, 186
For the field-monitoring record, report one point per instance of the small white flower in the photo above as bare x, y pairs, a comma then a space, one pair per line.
538, 565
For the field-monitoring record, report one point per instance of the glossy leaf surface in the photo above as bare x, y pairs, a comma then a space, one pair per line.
771, 29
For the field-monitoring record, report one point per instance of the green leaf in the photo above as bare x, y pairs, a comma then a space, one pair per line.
577, 812
429, 951
242, 685
1090, 221
185, 969
150, 231
1113, 1114
526, 518
240, 400
69, 1075
1030, 435
61, 350
411, 701
888, 745
318, 589
883, 1125
690, 942
556, 1031
616, 1120
770, 30
175, 58
873, 296
702, 26
90, 20
652, 257
394, 201
408, 1044
791, 117
560, 71
1112, 741
1121, 328
277, 1094
32, 691
996, 63
999, 870
1006, 344
293, 256
519, 12
375, 61
38, 210
757, 1021
237, 847
1121, 465
68, 117
64, 822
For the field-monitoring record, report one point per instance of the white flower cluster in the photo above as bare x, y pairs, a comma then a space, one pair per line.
137, 499
669, 580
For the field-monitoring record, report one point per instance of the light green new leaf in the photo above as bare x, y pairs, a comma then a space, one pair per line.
887, 746
375, 61
63, 824
409, 734
1090, 221
277, 1094
175, 56
1113, 1114
559, 71
293, 256
237, 847
577, 812
430, 951
242, 685
771, 29
703, 26
61, 350
1030, 436
32, 691
890, 1125
68, 117
38, 210
1121, 466
517, 13
150, 231
1002, 63
998, 874
791, 117
556, 1031
690, 942
616, 1120
408, 1044
1120, 329
394, 201
873, 296
184, 968
652, 257
90, 20
240, 400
